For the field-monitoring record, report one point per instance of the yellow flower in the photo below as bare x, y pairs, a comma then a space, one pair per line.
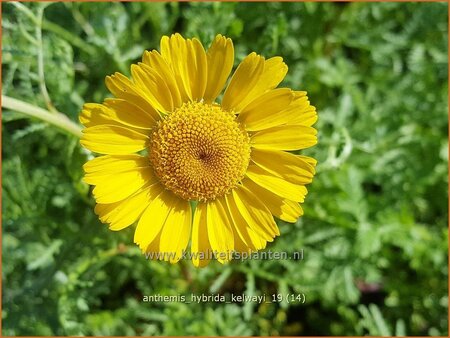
168, 140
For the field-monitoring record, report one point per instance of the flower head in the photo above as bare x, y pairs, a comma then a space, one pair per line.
166, 140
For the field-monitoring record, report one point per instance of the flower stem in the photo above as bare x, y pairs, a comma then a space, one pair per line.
57, 119
40, 59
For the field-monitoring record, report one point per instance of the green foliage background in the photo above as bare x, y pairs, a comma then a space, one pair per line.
374, 233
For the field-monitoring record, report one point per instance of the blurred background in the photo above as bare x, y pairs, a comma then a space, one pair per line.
374, 233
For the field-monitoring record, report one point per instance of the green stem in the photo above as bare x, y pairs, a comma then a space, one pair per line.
40, 59
68, 36
57, 119
52, 27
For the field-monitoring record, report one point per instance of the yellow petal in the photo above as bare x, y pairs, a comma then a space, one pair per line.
249, 237
309, 160
176, 230
152, 250
276, 184
255, 115
197, 68
174, 51
274, 71
286, 210
153, 219
240, 246
124, 213
113, 140
307, 117
155, 61
291, 211
287, 137
110, 164
132, 115
166, 50
220, 233
255, 213
121, 87
200, 247
116, 112
153, 87
284, 165
299, 112
94, 114
244, 79
220, 59
114, 187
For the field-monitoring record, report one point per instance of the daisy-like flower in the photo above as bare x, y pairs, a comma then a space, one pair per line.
167, 140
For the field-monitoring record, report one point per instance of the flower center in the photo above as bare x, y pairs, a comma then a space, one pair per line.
199, 151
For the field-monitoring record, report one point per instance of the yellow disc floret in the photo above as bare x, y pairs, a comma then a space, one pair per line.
199, 151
